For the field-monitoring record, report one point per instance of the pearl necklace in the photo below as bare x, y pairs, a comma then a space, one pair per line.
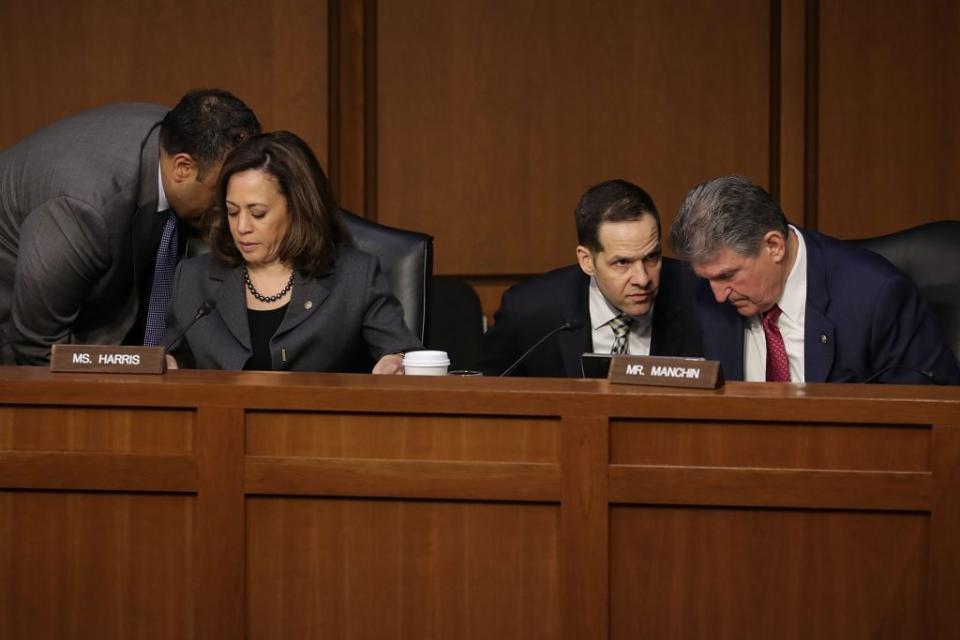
261, 297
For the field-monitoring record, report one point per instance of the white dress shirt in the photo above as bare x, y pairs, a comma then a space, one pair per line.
793, 303
162, 203
602, 312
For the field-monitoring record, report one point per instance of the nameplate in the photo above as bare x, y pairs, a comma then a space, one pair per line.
106, 359
666, 372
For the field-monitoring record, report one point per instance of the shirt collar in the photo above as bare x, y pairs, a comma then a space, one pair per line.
793, 300
162, 203
602, 312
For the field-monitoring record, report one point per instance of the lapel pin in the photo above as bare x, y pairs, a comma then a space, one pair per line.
308, 304
824, 339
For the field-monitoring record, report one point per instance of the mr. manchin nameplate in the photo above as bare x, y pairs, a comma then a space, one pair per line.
666, 372
106, 359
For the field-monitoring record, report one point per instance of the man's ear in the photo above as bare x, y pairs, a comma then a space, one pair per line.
585, 258
775, 245
184, 168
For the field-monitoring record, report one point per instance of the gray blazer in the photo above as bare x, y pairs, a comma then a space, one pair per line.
343, 321
78, 223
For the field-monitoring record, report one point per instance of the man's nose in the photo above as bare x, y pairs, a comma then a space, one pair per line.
639, 275
720, 291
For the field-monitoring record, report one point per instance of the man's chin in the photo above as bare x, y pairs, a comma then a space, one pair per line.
745, 308
636, 310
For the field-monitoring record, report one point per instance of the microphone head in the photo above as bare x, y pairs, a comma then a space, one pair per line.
572, 325
207, 307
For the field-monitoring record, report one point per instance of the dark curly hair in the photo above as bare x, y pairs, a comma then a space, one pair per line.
206, 124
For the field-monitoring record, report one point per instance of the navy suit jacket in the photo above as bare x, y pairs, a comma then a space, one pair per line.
533, 307
862, 316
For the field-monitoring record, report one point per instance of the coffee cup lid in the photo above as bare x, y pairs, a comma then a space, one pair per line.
426, 358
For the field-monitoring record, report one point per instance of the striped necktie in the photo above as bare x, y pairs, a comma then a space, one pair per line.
621, 327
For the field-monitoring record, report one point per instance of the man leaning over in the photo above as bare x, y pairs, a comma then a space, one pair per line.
92, 215
782, 304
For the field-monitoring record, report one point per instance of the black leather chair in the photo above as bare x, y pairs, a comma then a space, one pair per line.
930, 256
456, 322
406, 258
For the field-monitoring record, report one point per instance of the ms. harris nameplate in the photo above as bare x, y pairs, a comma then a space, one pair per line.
662, 371
106, 359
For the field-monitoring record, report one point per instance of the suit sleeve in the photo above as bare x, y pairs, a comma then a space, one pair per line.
64, 250
499, 347
905, 335
384, 330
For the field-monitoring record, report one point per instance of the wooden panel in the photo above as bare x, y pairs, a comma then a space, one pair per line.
221, 532
395, 569
584, 528
897, 491
128, 430
64, 57
944, 576
104, 565
96, 471
889, 146
785, 509
403, 478
495, 439
717, 573
792, 108
352, 121
493, 117
784, 445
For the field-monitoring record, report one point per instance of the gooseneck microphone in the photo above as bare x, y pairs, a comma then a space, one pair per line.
568, 325
203, 310
931, 376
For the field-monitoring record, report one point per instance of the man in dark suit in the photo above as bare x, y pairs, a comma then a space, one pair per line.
87, 210
622, 296
784, 305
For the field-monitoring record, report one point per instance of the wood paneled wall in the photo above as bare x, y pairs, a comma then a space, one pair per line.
482, 122
60, 57
889, 134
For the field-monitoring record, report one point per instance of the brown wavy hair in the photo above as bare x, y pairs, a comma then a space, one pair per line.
316, 226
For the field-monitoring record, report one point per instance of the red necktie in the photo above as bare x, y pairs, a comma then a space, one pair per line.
778, 367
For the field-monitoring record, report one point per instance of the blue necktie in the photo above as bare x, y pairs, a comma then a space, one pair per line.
163, 271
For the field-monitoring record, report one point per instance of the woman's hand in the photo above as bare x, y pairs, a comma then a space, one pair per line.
171, 362
389, 365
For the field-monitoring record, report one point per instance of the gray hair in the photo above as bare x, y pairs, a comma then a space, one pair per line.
730, 212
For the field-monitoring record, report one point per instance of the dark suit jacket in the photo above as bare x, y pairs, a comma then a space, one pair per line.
344, 321
862, 315
533, 307
78, 223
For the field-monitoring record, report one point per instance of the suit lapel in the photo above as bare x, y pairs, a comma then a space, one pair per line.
819, 333
232, 302
577, 341
308, 295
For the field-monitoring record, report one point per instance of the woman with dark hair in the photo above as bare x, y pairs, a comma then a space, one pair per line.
288, 293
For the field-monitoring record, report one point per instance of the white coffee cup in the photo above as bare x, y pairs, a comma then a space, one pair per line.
426, 363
